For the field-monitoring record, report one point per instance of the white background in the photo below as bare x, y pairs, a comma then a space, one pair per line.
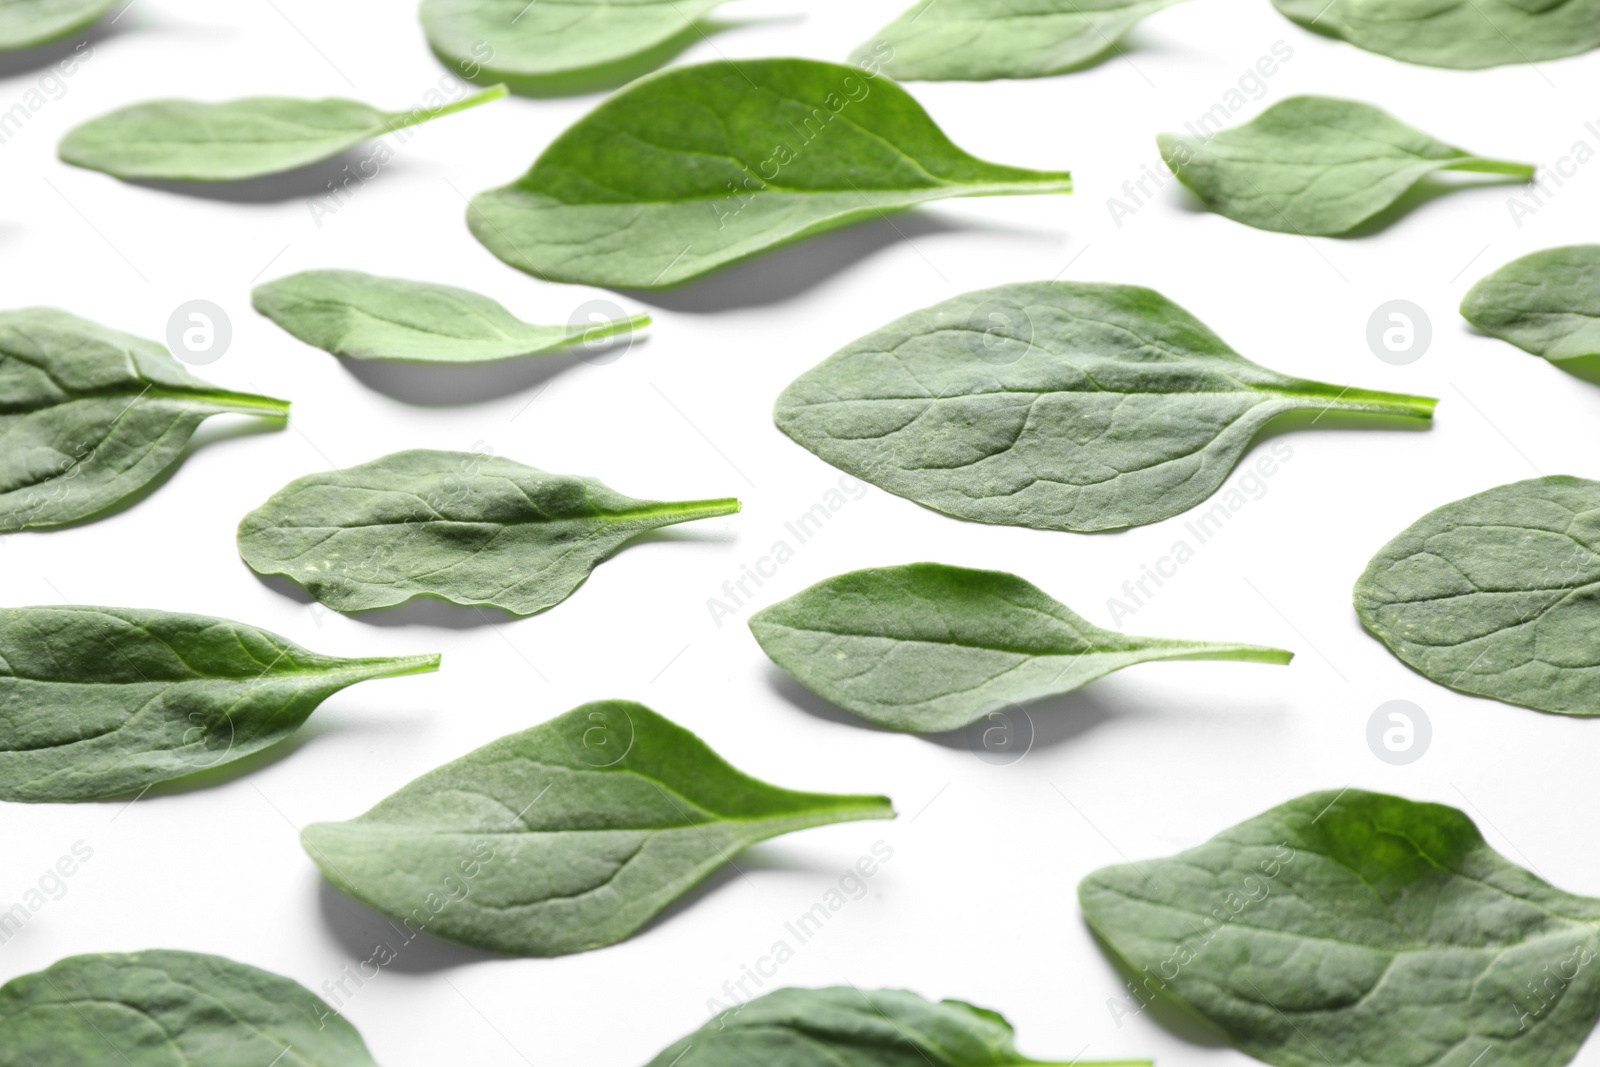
979, 899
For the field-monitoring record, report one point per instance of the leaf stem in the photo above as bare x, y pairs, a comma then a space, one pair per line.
402, 119
609, 328
1378, 402
1238, 653
229, 401
687, 510
1479, 165
396, 666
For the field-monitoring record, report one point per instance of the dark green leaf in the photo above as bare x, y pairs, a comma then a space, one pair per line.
847, 1027
1056, 405
191, 141
564, 837
976, 40
1351, 929
364, 316
465, 527
1497, 594
561, 45
98, 702
1547, 303
90, 416
1315, 165
927, 647
1463, 34
692, 169
163, 1009
29, 23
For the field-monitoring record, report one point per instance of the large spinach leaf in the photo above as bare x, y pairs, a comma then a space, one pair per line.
1315, 165
844, 1026
1497, 594
1056, 405
1463, 34
364, 316
564, 837
164, 1008
99, 702
192, 141
1345, 929
558, 46
692, 169
29, 23
976, 40
460, 526
927, 647
1547, 303
90, 416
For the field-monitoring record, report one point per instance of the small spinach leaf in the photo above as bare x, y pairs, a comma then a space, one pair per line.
1496, 594
844, 1026
977, 40
30, 23
694, 168
465, 527
1344, 929
1315, 165
1547, 303
91, 416
561, 46
364, 316
1461, 34
1056, 405
927, 647
564, 837
163, 1007
99, 702
192, 141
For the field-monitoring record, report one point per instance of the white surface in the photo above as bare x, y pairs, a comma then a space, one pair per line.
979, 899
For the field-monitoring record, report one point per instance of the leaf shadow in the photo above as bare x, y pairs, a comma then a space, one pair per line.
1425, 191
1053, 721
32, 60
222, 773
758, 857
321, 178
213, 430
451, 384
1171, 1016
790, 271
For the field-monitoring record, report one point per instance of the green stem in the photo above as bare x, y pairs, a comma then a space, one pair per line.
610, 328
1089, 1063
689, 510
1402, 404
416, 115
228, 401
398, 666
1238, 653
1479, 165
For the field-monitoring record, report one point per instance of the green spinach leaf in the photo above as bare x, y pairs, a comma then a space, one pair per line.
1547, 303
364, 316
977, 40
30, 23
927, 647
1461, 34
564, 837
844, 1026
1344, 929
1496, 594
192, 141
163, 1007
466, 527
100, 702
89, 416
1315, 165
694, 168
557, 46
1056, 405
